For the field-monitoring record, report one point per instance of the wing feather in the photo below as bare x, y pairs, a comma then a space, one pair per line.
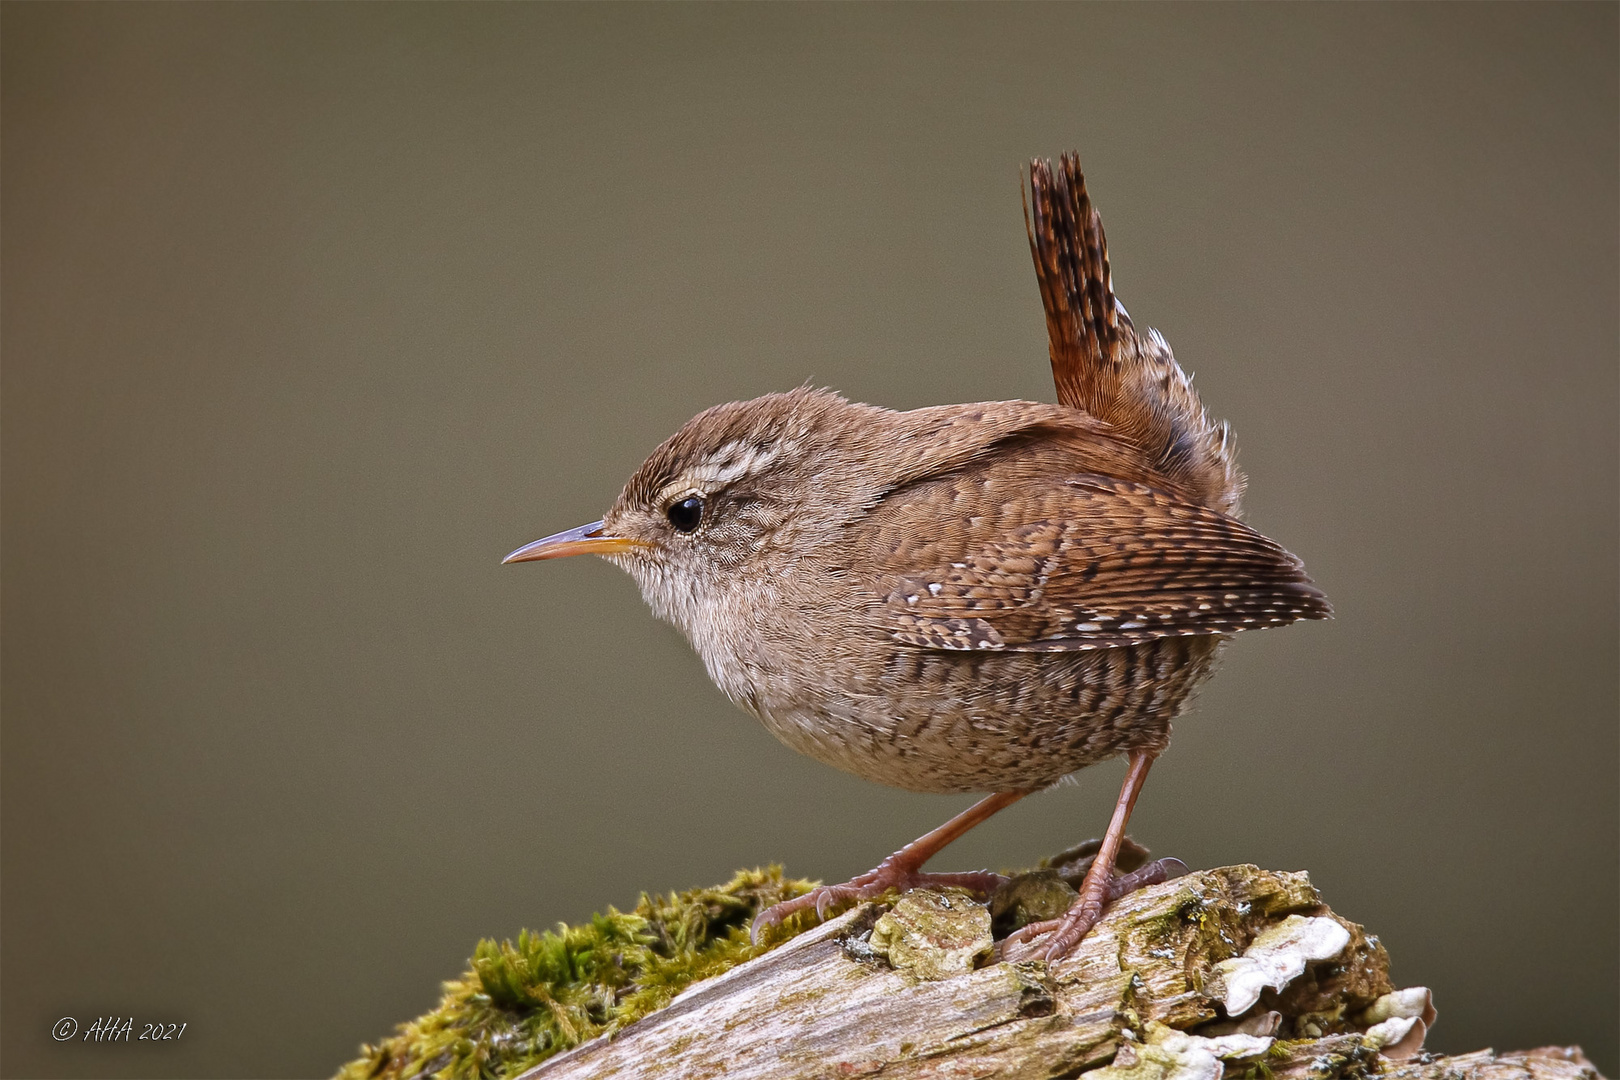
1108, 563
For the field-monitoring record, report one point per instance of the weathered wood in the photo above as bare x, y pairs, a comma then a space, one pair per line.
1236, 972
1144, 997
1546, 1063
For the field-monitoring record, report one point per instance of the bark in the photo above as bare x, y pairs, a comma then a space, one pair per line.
1238, 972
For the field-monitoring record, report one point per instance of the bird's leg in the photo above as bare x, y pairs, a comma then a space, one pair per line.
1100, 887
902, 870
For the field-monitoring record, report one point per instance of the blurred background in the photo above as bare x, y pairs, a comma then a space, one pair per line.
313, 312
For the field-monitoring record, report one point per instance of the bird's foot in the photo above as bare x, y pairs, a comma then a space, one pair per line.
1032, 942
891, 873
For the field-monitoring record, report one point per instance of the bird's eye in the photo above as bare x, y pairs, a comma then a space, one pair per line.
686, 514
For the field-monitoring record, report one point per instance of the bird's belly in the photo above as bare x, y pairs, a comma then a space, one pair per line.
941, 721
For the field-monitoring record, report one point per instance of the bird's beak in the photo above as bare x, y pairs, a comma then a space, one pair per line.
585, 540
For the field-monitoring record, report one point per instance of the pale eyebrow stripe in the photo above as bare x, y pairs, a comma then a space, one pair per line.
731, 462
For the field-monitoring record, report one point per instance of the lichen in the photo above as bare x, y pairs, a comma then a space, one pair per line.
1030, 898
522, 1001
525, 1000
934, 935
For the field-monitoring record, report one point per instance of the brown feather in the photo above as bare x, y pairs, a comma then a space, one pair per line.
1101, 365
978, 597
1075, 561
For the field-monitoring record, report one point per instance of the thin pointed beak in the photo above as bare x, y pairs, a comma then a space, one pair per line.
585, 540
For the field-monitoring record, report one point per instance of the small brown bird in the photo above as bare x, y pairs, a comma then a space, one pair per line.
965, 598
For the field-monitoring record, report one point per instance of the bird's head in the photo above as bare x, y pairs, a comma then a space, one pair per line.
744, 492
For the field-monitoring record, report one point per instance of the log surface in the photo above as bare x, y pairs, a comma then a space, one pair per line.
1144, 997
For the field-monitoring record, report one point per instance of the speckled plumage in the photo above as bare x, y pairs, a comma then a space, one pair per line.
950, 599
976, 597
962, 598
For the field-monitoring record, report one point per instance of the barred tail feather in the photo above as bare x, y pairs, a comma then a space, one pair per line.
1100, 364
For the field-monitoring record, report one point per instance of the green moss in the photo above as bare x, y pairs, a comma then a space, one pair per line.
523, 1001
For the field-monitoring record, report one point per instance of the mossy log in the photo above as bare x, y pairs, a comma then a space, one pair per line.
1236, 972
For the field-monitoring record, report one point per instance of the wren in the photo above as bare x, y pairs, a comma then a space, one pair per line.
965, 598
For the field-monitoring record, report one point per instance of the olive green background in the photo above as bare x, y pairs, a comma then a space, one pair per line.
313, 312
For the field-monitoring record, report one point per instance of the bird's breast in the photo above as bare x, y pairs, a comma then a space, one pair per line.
953, 721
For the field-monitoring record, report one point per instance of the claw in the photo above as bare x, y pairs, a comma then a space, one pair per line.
869, 886
1069, 930
901, 871
771, 916
1072, 930
1012, 948
1151, 874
